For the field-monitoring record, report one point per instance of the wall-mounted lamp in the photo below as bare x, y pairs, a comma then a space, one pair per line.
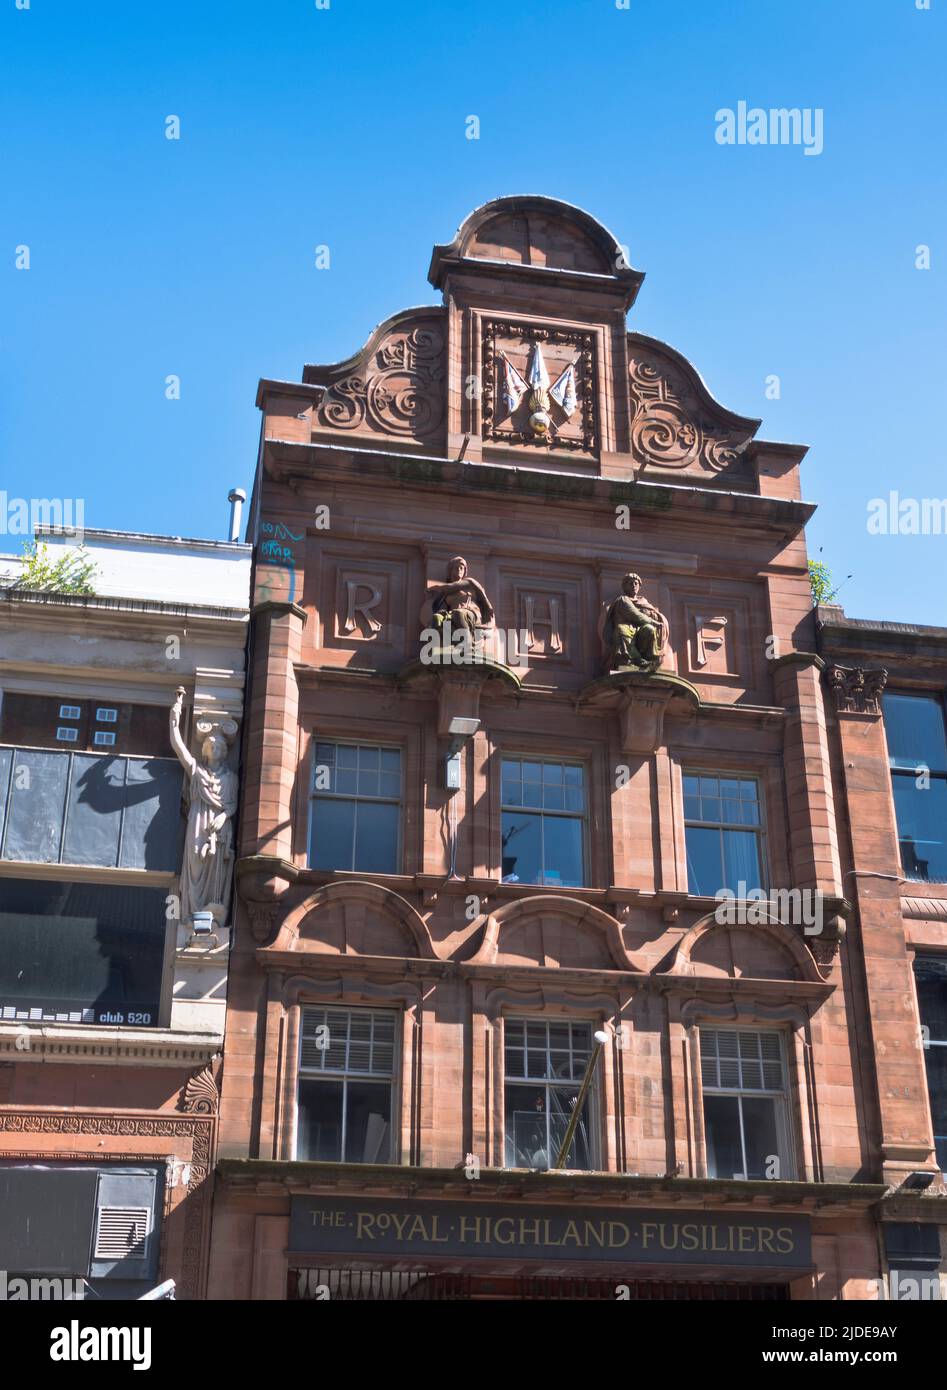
460, 729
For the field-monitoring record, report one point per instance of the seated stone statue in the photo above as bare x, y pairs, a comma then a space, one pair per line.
461, 605
634, 633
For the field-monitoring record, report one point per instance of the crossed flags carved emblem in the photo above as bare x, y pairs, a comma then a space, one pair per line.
536, 384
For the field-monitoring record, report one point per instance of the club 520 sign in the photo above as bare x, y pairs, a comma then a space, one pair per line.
375, 1226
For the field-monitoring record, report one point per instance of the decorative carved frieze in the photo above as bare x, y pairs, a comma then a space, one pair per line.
856, 689
399, 390
671, 426
569, 414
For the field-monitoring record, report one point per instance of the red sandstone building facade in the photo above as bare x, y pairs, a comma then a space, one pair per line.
488, 808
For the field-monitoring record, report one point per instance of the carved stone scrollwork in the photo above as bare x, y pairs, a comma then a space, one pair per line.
670, 428
343, 406
856, 690
400, 390
200, 1095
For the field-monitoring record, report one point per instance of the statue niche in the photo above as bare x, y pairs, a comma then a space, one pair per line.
207, 869
458, 614
634, 634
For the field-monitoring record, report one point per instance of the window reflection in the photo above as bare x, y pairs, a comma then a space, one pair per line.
723, 832
543, 822
917, 756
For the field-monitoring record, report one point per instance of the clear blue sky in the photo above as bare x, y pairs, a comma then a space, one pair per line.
346, 127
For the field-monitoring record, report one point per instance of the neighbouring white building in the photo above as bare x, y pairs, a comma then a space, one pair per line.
112, 1002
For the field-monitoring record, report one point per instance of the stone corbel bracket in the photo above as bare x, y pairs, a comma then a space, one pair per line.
641, 701
262, 880
825, 945
458, 686
857, 690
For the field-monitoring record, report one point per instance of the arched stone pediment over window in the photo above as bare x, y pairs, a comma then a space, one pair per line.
546, 931
768, 951
354, 919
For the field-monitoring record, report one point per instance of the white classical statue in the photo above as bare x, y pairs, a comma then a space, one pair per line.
212, 801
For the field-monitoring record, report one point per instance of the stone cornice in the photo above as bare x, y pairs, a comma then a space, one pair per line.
898, 1205
295, 463
797, 659
769, 992
717, 988
57, 610
97, 1043
267, 1176
858, 640
443, 264
270, 386
763, 716
276, 609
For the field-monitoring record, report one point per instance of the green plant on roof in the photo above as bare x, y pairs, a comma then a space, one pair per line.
71, 573
821, 583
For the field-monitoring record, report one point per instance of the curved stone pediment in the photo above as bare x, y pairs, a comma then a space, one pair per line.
767, 951
553, 931
354, 919
396, 385
676, 425
539, 232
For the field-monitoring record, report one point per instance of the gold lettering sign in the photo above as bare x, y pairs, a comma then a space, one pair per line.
373, 1225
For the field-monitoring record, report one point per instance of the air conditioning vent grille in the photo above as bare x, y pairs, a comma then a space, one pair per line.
120, 1232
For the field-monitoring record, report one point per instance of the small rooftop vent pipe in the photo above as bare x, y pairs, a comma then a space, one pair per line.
236, 497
